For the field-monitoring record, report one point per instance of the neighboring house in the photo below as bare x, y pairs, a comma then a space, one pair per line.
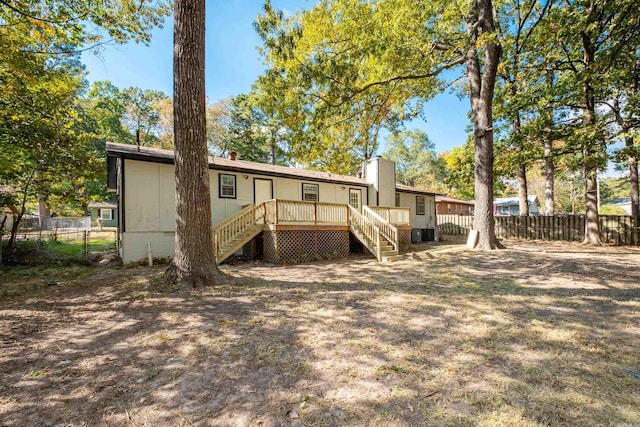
511, 206
296, 214
450, 206
106, 212
623, 203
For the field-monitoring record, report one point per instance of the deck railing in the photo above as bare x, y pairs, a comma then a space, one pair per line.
310, 213
396, 216
388, 230
241, 221
370, 233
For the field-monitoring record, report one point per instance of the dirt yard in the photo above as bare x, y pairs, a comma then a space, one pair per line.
535, 335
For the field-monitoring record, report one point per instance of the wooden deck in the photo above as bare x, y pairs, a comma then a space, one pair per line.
375, 227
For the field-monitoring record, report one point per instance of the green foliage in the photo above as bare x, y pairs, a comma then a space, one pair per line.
416, 162
459, 163
253, 133
48, 140
342, 71
123, 115
613, 188
68, 26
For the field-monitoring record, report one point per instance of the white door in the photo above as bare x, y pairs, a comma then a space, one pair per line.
355, 199
263, 190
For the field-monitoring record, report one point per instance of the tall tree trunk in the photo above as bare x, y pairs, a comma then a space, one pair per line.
633, 175
273, 147
549, 177
193, 264
590, 154
481, 89
523, 197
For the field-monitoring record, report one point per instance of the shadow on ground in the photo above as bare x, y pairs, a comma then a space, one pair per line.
517, 337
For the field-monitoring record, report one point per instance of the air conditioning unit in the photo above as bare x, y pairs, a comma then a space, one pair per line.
416, 235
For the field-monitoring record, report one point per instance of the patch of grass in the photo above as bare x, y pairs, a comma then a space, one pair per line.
75, 248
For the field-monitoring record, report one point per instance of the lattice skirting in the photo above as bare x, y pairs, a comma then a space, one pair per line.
404, 238
296, 246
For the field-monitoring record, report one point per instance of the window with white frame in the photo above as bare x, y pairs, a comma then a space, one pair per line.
419, 205
310, 192
354, 198
106, 214
227, 186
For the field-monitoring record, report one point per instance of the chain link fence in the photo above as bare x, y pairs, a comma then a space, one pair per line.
56, 240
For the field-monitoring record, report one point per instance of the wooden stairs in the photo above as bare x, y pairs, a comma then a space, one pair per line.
369, 231
377, 234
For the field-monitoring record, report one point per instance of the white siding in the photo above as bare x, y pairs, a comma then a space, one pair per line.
150, 203
381, 174
408, 200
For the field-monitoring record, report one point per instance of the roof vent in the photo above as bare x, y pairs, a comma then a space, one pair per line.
359, 174
232, 155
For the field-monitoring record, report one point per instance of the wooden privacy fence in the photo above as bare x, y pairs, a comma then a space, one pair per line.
455, 225
616, 229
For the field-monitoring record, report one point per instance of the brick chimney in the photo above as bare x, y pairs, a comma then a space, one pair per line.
232, 155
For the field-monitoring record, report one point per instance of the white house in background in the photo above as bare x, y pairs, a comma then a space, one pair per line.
144, 183
623, 203
511, 205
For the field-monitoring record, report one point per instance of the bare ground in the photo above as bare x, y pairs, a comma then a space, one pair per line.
535, 335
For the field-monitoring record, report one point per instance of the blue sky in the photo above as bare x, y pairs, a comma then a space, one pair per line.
233, 63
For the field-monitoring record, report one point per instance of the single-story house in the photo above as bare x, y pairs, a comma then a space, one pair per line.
511, 205
623, 203
296, 214
451, 206
106, 212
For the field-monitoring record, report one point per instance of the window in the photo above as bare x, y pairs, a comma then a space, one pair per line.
397, 200
310, 192
106, 214
354, 198
227, 186
419, 205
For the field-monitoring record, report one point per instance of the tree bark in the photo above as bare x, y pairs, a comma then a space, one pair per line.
592, 234
549, 177
523, 197
193, 264
633, 175
481, 83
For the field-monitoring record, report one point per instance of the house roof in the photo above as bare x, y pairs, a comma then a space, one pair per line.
107, 204
440, 198
620, 201
407, 189
220, 163
509, 201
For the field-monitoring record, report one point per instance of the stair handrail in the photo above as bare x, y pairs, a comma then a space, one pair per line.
388, 230
227, 230
370, 232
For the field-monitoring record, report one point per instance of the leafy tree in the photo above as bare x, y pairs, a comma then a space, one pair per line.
64, 27
142, 114
514, 101
193, 264
131, 115
164, 125
106, 108
218, 127
586, 40
416, 161
625, 108
368, 66
253, 134
45, 148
